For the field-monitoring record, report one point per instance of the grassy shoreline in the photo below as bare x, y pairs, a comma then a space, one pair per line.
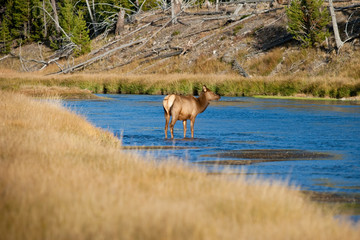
225, 85
62, 178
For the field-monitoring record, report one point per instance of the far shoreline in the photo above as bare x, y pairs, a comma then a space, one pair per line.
84, 86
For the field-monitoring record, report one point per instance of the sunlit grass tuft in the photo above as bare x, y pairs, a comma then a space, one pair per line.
264, 65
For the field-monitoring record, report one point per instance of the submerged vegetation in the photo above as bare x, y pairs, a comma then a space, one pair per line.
62, 178
225, 85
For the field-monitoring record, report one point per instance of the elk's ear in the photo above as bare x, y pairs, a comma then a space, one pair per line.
204, 88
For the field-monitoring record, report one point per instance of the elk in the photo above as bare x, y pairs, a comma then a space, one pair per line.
186, 107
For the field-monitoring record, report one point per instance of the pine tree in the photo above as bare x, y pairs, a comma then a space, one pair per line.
80, 35
67, 16
307, 21
5, 37
21, 19
37, 22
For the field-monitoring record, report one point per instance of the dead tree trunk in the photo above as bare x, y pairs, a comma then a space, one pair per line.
120, 22
338, 41
91, 17
56, 17
175, 9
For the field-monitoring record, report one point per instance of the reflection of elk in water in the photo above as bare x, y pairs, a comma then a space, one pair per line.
186, 107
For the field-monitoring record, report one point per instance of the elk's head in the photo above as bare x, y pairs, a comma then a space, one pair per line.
210, 95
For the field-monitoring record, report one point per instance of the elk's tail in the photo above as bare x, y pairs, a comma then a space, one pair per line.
168, 102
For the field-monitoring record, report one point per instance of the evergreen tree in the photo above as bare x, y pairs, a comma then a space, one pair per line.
75, 26
80, 35
307, 21
37, 22
5, 37
21, 19
67, 16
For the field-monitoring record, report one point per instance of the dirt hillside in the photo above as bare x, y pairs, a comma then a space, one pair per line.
253, 42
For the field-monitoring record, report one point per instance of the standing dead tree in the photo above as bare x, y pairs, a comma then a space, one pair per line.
56, 17
338, 41
120, 22
175, 9
92, 17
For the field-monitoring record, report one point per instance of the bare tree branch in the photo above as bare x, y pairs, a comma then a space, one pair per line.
92, 16
57, 24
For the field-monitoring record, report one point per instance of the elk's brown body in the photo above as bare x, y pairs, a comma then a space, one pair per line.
186, 107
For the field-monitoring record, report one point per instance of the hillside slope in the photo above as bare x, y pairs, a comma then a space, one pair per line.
204, 41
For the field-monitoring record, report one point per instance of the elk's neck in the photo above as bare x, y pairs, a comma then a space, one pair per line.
203, 103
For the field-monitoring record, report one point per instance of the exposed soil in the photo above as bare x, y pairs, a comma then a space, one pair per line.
252, 156
155, 147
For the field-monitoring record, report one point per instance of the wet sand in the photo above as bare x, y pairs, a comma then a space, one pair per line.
252, 156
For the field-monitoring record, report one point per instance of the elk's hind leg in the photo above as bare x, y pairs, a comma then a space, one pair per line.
167, 119
172, 124
184, 124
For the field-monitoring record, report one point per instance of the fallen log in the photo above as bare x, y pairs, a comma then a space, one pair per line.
97, 58
237, 67
117, 40
246, 1
154, 34
347, 7
172, 54
224, 17
201, 31
223, 29
205, 13
167, 55
277, 42
6, 56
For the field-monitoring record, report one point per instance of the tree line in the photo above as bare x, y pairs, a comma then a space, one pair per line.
60, 23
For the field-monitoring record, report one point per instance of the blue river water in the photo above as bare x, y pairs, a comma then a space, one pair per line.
330, 129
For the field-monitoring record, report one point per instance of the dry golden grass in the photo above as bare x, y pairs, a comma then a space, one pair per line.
264, 65
56, 92
61, 178
223, 84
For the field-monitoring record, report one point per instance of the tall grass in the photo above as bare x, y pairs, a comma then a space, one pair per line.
226, 85
61, 178
265, 64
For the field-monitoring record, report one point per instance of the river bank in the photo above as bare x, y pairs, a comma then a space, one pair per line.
82, 85
62, 178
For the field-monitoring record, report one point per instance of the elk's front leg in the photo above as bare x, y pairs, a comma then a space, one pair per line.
184, 124
192, 122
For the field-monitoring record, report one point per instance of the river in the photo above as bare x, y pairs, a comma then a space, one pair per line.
314, 145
